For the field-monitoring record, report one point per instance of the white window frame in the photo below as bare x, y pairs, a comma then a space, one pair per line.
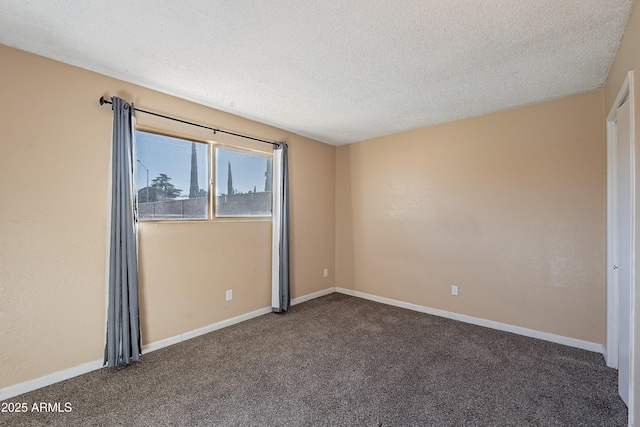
211, 196
213, 182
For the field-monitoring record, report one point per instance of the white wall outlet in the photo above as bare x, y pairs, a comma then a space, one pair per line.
454, 290
229, 294
326, 272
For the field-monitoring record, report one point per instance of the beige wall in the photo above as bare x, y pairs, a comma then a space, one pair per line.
54, 155
509, 206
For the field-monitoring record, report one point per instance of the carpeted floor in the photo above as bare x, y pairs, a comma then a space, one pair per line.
343, 361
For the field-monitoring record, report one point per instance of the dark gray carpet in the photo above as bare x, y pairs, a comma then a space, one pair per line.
344, 361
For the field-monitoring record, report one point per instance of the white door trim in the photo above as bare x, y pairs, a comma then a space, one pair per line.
611, 352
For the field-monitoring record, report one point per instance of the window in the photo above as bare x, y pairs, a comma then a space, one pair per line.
243, 183
173, 180
172, 175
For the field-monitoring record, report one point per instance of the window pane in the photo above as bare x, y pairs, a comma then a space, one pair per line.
172, 175
243, 184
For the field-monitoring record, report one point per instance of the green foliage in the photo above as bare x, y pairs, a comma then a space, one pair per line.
164, 189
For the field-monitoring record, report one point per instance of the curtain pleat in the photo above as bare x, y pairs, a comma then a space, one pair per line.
123, 319
280, 299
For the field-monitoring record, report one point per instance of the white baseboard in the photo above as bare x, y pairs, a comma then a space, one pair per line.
204, 330
34, 384
546, 336
27, 386
314, 295
65, 374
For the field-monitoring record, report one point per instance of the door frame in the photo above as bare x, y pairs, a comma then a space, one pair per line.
611, 353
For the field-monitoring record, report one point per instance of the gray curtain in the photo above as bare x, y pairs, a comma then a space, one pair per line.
123, 320
283, 298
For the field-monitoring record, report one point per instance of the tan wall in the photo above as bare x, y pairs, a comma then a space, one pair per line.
509, 206
54, 155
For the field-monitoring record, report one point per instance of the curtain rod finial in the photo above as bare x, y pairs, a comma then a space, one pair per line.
102, 100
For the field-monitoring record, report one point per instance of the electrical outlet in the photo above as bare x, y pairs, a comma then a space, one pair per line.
454, 290
326, 272
229, 295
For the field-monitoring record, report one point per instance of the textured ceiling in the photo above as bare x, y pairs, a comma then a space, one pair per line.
335, 71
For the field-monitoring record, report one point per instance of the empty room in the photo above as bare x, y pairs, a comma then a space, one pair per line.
319, 213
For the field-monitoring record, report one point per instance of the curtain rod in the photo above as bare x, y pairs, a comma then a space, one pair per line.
103, 101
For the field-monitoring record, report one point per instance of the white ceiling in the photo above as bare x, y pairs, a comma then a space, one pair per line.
337, 71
